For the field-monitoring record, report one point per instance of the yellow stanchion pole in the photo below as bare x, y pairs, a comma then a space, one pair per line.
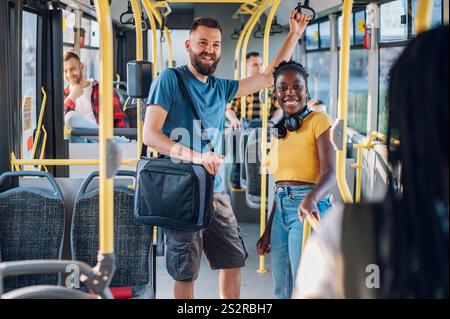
343, 100
255, 18
106, 194
39, 125
265, 112
237, 52
139, 57
423, 16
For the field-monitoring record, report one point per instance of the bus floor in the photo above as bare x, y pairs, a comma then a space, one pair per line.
254, 285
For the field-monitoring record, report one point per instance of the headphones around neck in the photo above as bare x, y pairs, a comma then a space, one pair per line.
291, 123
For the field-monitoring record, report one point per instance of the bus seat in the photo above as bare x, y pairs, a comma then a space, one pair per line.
31, 226
252, 167
132, 241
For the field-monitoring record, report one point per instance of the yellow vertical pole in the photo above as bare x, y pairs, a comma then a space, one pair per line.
169, 47
151, 18
358, 176
237, 51
265, 106
39, 125
343, 99
423, 15
139, 57
106, 212
255, 18
306, 233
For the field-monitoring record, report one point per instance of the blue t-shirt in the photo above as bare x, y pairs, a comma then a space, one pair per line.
209, 99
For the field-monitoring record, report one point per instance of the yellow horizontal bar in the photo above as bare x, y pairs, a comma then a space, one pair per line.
313, 222
68, 162
212, 1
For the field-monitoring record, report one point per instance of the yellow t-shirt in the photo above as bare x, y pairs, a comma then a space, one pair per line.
295, 157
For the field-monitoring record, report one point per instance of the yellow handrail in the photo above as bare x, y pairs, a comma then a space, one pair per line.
106, 194
358, 165
265, 107
423, 15
254, 19
343, 100
212, 1
139, 57
369, 145
152, 7
39, 125
169, 47
308, 223
44, 141
148, 8
237, 52
65, 162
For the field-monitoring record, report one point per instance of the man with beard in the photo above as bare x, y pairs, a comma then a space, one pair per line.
81, 97
168, 115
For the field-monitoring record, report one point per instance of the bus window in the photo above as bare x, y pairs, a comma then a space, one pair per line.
312, 37
325, 34
387, 59
393, 21
318, 65
68, 27
29, 81
90, 53
357, 90
360, 21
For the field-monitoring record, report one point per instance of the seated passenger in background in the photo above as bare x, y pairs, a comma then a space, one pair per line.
397, 248
317, 105
254, 110
81, 97
302, 161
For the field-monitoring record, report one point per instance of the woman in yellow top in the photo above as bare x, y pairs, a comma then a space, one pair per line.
302, 161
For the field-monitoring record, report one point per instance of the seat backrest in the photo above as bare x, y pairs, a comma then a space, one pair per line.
253, 164
31, 227
132, 241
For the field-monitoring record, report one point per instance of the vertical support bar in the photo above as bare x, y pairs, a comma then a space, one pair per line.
265, 112
39, 124
343, 100
151, 18
139, 57
106, 215
306, 233
423, 16
358, 176
255, 18
169, 47
237, 51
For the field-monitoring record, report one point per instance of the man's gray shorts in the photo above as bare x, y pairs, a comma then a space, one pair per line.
221, 243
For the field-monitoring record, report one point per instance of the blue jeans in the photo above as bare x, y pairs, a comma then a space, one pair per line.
286, 236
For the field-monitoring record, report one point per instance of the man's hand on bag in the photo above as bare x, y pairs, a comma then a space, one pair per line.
210, 161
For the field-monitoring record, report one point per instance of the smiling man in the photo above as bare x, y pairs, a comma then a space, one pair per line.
81, 97
167, 112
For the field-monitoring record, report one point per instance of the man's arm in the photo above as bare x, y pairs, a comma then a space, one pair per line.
155, 118
71, 97
250, 85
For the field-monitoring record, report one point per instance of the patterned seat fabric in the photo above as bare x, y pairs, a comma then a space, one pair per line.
31, 227
132, 241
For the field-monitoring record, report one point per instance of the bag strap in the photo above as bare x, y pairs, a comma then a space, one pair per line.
188, 98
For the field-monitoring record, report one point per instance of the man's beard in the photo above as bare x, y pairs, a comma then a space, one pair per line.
201, 68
